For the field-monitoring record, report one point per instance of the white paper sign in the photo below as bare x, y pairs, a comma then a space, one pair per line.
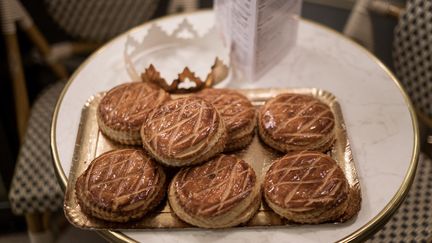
259, 32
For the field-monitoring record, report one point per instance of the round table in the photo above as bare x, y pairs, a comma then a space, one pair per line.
379, 117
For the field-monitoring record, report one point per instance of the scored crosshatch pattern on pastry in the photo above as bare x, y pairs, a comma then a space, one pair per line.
237, 113
232, 117
299, 174
180, 125
302, 108
307, 126
125, 107
223, 183
118, 174
91, 143
120, 185
300, 122
230, 114
235, 109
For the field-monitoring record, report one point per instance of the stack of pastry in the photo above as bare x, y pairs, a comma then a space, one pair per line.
210, 189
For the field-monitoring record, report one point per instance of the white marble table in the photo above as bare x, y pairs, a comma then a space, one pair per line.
378, 116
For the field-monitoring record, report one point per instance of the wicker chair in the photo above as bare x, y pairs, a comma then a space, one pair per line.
412, 55
35, 191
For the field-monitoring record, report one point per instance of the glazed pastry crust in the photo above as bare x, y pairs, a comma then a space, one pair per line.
306, 187
295, 122
120, 186
221, 193
237, 112
183, 132
125, 107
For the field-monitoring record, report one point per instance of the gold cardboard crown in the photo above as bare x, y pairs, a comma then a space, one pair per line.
135, 54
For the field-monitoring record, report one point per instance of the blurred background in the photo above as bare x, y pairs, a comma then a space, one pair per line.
50, 18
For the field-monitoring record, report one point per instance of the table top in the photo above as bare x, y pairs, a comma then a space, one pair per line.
379, 119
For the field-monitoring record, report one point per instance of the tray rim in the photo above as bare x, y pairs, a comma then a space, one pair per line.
360, 234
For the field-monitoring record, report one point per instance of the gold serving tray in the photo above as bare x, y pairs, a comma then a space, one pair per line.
91, 142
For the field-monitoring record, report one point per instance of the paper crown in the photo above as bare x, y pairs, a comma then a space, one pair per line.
179, 62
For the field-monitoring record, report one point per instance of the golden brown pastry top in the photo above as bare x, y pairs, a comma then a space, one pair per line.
126, 106
236, 110
215, 187
181, 128
296, 119
305, 181
121, 180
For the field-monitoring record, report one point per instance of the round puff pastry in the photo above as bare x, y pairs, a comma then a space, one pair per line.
238, 114
221, 193
295, 122
123, 109
306, 187
121, 185
183, 132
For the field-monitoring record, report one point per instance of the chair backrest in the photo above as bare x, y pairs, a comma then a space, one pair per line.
412, 54
99, 20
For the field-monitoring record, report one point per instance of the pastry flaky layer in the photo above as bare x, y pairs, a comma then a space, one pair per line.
306, 187
221, 193
296, 122
124, 108
237, 112
121, 185
183, 132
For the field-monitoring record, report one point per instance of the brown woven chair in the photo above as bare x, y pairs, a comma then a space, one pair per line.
35, 191
412, 55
